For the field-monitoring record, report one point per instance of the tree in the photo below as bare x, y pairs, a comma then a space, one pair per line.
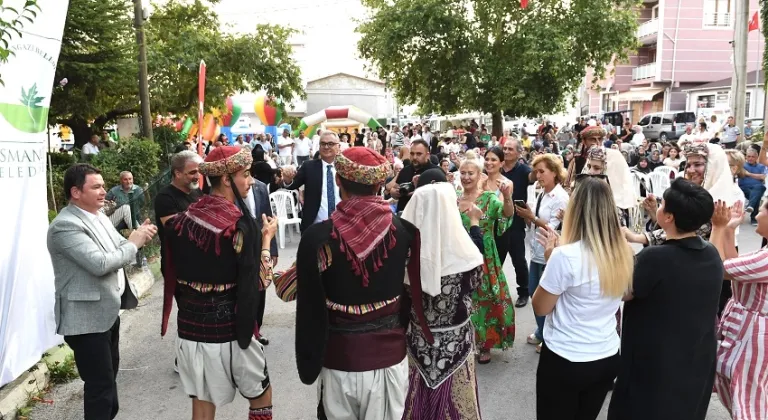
99, 61
11, 24
451, 56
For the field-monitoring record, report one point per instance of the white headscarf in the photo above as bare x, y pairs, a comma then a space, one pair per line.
619, 177
446, 248
718, 179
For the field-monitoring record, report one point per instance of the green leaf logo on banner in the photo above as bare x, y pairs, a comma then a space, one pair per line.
29, 117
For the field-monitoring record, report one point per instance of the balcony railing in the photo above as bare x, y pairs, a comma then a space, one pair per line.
647, 71
650, 27
717, 20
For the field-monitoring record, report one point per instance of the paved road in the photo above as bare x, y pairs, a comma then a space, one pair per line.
149, 389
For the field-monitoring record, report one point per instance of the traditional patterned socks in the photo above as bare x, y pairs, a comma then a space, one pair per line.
264, 413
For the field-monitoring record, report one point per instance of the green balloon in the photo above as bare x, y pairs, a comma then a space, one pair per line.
236, 111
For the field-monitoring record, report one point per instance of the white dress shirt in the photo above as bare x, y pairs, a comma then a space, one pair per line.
322, 212
90, 149
302, 147
100, 221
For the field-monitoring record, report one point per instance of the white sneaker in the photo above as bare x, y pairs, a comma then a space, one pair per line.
533, 340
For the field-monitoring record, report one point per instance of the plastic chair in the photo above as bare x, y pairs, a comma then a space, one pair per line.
659, 182
283, 205
667, 170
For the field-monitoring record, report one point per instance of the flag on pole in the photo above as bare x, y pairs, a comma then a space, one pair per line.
754, 23
200, 110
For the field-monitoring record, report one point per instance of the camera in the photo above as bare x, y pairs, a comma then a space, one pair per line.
406, 188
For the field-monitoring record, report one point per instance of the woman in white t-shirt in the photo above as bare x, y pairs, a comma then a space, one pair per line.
579, 293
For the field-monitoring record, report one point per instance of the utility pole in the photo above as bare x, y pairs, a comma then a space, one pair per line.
739, 81
146, 115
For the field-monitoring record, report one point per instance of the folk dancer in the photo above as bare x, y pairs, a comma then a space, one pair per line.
351, 308
216, 265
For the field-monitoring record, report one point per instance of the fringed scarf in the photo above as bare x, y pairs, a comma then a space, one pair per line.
208, 220
363, 226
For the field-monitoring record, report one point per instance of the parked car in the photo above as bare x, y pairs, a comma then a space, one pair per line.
665, 126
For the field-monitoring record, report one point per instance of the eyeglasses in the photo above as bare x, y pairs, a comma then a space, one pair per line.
328, 144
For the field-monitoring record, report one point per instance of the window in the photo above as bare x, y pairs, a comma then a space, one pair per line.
717, 13
747, 107
645, 120
667, 119
706, 101
656, 119
608, 103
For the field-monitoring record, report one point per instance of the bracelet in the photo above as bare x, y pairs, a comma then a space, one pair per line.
266, 251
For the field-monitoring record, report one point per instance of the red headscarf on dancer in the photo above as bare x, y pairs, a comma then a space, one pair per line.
363, 224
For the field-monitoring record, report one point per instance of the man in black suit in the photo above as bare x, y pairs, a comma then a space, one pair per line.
257, 202
318, 177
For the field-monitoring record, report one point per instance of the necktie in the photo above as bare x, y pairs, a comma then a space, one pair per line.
330, 192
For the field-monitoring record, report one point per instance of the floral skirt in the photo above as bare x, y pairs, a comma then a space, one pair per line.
454, 399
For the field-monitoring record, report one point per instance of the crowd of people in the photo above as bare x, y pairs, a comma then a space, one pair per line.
399, 282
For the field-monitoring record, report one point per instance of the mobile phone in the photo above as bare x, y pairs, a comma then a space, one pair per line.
520, 203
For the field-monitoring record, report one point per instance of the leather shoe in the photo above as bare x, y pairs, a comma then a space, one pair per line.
521, 301
263, 340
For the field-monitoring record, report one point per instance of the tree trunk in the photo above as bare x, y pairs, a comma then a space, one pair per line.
498, 124
81, 130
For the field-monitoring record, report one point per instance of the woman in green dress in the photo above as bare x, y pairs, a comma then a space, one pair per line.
493, 313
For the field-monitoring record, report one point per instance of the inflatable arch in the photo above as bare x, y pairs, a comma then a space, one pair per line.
337, 116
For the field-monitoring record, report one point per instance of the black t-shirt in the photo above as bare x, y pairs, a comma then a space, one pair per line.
471, 141
668, 339
169, 201
406, 175
519, 177
359, 140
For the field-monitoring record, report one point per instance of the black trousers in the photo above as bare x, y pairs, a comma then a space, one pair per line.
571, 390
513, 242
97, 357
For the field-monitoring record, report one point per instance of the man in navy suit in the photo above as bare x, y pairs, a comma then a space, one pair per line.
318, 177
257, 202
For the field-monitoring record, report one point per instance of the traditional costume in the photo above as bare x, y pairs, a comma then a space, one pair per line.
718, 181
215, 268
442, 382
351, 308
616, 169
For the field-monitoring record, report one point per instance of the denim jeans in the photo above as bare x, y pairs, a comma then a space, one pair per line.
753, 195
534, 275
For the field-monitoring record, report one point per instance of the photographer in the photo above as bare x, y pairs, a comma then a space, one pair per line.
404, 185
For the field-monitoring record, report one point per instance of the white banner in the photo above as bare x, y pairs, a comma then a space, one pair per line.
27, 326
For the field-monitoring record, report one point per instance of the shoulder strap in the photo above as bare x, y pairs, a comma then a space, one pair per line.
538, 203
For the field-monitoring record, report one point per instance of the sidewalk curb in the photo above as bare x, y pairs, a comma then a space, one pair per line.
16, 394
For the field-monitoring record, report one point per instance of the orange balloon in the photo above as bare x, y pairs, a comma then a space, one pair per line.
209, 127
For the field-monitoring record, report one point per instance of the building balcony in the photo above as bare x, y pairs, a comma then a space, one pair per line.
646, 71
648, 32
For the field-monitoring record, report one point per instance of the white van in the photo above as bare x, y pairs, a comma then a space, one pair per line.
665, 126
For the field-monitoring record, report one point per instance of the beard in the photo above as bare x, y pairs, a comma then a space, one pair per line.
194, 185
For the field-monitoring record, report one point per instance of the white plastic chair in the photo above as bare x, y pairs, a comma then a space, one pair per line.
659, 182
665, 169
287, 214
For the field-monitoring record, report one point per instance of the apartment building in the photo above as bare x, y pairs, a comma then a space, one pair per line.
684, 44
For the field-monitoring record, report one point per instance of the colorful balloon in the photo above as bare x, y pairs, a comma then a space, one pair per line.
269, 110
186, 127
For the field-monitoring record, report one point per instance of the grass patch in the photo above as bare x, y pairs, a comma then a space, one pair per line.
62, 372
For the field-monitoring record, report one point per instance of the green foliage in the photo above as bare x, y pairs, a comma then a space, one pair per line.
11, 25
167, 138
140, 156
449, 56
62, 372
59, 164
98, 58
